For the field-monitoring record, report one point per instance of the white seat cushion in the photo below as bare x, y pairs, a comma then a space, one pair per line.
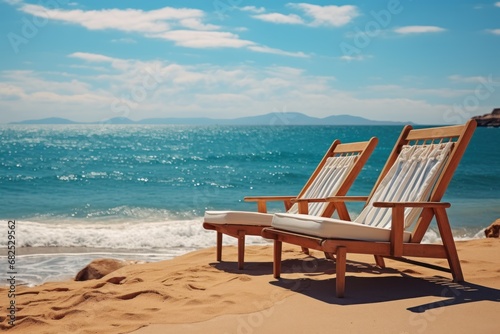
331, 228
238, 218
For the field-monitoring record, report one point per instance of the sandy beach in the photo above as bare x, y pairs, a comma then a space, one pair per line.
193, 293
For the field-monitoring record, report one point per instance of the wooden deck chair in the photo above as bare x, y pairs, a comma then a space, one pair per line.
407, 193
333, 177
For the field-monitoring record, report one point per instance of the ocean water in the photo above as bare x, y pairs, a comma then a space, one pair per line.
140, 191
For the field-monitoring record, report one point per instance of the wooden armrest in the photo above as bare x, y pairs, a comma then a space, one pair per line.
411, 204
308, 200
397, 221
347, 199
267, 198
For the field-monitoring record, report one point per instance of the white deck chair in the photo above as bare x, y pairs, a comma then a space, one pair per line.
333, 177
407, 192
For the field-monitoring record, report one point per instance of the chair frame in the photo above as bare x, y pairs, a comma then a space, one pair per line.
363, 150
396, 248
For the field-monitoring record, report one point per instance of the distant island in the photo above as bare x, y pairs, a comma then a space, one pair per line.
489, 120
275, 118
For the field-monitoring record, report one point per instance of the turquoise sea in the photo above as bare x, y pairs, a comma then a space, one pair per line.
139, 191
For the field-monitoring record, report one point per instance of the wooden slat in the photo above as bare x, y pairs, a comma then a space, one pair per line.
351, 147
420, 263
435, 133
347, 199
411, 204
267, 198
358, 247
292, 238
233, 229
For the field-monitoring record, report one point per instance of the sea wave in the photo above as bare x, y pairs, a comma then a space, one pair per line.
154, 236
143, 235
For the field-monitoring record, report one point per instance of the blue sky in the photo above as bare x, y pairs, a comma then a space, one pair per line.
430, 62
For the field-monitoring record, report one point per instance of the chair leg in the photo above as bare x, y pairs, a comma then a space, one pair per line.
449, 244
340, 268
219, 246
241, 249
277, 259
330, 256
379, 260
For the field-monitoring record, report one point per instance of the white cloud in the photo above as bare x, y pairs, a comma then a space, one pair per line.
280, 18
456, 78
135, 20
332, 15
143, 89
329, 16
355, 58
265, 49
253, 9
116, 63
418, 30
493, 31
400, 91
497, 4
92, 57
183, 26
203, 39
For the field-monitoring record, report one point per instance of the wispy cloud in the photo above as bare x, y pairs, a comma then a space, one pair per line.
313, 15
493, 31
253, 9
418, 30
497, 4
332, 15
199, 90
265, 49
280, 18
355, 58
115, 63
92, 57
400, 91
130, 20
456, 78
203, 39
183, 26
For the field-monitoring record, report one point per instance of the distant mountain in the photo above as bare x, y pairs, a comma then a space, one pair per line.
275, 118
50, 120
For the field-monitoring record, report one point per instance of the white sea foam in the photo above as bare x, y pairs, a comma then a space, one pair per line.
148, 242
127, 235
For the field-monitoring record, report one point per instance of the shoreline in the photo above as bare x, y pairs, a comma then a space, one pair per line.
193, 292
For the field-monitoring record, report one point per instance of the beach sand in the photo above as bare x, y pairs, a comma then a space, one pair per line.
195, 294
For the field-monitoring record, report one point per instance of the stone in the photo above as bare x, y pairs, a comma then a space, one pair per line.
493, 231
99, 268
489, 120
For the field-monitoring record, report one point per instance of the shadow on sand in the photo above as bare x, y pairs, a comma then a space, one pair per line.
393, 285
